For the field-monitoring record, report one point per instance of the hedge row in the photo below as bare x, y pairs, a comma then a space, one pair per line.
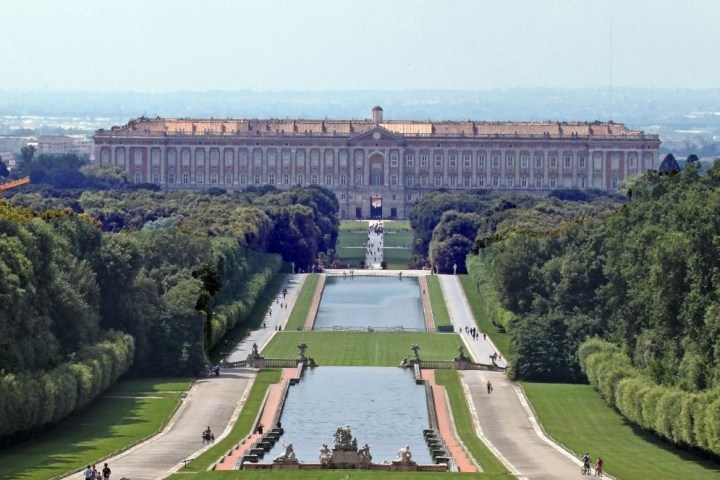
685, 418
480, 269
31, 400
230, 315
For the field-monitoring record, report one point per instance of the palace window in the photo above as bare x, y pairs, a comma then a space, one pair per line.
329, 158
186, 178
257, 158
423, 180
538, 161
328, 180
538, 182
614, 182
467, 159
313, 179
568, 162
466, 181
481, 181
243, 179
615, 162
272, 158
214, 157
185, 157
393, 159
409, 180
597, 162
553, 182
343, 180
271, 179
228, 157
495, 161
509, 181
343, 158
581, 161
199, 157
582, 182
438, 160
300, 179
409, 160
481, 160
510, 161
438, 181
156, 178
243, 158
423, 159
199, 178
393, 180
632, 161
524, 161
523, 182
300, 158
137, 157
496, 181
256, 179
171, 157
314, 157
171, 178
553, 162
358, 179
155, 157
453, 160
214, 178
286, 179
228, 178
452, 181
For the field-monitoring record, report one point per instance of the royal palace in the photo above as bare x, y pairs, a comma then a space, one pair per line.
377, 167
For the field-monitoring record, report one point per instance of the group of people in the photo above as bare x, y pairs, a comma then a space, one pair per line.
92, 473
587, 461
208, 436
473, 332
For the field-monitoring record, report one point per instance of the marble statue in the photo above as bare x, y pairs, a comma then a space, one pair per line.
325, 454
288, 455
404, 456
302, 346
415, 348
343, 438
364, 455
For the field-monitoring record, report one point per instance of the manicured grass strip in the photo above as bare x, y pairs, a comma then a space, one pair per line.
129, 412
363, 348
396, 259
396, 225
577, 417
242, 427
299, 312
500, 339
437, 300
328, 475
464, 425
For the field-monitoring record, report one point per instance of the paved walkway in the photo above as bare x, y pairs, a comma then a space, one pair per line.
503, 420
374, 250
212, 401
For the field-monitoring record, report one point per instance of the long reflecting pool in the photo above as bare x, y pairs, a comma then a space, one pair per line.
382, 405
362, 302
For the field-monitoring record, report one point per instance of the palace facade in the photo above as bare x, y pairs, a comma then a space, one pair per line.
376, 167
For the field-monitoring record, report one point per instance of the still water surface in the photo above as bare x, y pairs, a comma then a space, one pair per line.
382, 405
366, 301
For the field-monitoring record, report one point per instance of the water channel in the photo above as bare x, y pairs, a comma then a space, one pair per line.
382, 405
362, 302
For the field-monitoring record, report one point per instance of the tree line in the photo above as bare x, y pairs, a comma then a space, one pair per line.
97, 283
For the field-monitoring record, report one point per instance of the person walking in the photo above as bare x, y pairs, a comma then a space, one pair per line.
106, 472
599, 467
489, 387
88, 472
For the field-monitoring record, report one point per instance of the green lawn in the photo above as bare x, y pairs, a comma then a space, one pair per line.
299, 312
352, 234
464, 425
397, 259
129, 412
363, 348
242, 428
500, 339
437, 300
577, 417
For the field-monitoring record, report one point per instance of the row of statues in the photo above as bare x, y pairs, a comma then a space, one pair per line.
346, 444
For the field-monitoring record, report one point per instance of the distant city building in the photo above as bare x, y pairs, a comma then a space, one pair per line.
54, 145
8, 159
377, 167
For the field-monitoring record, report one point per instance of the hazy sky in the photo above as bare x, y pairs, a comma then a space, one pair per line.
170, 45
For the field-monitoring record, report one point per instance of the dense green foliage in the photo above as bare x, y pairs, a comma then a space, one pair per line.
171, 274
685, 418
448, 226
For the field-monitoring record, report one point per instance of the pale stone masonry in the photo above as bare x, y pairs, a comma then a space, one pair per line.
377, 168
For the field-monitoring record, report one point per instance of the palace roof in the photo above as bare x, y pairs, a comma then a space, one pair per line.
144, 126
